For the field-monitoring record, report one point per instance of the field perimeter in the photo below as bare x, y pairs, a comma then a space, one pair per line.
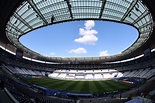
79, 86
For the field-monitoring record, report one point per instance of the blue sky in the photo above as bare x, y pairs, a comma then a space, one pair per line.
81, 39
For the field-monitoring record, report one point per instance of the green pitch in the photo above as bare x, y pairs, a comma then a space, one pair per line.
80, 86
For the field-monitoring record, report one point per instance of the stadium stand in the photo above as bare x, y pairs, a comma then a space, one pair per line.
86, 74
128, 70
146, 73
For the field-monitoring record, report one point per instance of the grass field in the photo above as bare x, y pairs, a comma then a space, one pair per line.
79, 86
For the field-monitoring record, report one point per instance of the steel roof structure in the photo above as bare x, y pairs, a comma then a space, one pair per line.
22, 16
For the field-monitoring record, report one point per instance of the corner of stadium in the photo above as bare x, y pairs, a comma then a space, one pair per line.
29, 77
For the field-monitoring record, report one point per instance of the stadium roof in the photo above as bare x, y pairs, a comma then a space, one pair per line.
22, 16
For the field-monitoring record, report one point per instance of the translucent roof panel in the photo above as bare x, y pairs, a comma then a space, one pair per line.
33, 14
86, 9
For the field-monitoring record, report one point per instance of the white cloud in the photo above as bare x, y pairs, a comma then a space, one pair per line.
52, 53
88, 34
78, 51
87, 40
104, 53
89, 24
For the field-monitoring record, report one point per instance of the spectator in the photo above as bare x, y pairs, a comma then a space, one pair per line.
120, 96
145, 94
129, 97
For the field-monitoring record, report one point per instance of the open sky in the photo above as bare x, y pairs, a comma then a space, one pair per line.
81, 39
